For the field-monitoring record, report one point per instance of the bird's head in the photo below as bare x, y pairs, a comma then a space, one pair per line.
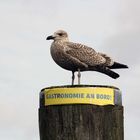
59, 35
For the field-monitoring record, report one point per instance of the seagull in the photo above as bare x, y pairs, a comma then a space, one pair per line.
77, 57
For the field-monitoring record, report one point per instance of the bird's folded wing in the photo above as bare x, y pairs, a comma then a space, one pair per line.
85, 54
109, 60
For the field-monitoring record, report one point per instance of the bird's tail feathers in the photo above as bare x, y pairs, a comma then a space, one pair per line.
117, 65
106, 71
109, 72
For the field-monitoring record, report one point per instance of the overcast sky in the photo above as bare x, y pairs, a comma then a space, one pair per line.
26, 66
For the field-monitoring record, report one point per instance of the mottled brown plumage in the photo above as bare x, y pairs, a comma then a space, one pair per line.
77, 57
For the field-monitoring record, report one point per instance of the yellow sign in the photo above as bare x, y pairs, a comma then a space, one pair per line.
80, 95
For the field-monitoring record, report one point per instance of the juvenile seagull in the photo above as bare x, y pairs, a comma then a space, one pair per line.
77, 57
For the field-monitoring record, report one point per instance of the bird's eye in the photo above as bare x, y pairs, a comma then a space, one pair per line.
60, 34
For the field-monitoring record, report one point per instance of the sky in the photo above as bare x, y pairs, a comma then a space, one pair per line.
26, 66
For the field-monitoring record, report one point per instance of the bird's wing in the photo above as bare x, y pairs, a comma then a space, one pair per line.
117, 65
109, 61
85, 54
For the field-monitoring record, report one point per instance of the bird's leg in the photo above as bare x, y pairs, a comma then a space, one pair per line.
79, 76
73, 77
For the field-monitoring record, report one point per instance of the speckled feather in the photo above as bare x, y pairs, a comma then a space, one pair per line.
85, 54
77, 56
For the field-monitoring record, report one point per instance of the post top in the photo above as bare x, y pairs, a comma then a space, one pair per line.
81, 94
81, 86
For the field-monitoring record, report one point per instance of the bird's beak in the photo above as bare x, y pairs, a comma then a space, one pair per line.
50, 37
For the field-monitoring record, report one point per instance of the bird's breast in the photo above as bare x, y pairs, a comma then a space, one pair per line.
57, 52
60, 57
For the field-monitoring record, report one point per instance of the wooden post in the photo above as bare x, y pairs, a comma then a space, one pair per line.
81, 121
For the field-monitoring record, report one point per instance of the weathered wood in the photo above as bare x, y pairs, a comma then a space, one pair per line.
81, 122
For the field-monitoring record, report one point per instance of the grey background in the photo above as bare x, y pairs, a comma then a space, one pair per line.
109, 26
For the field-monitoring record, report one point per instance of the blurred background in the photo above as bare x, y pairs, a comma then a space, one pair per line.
26, 66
